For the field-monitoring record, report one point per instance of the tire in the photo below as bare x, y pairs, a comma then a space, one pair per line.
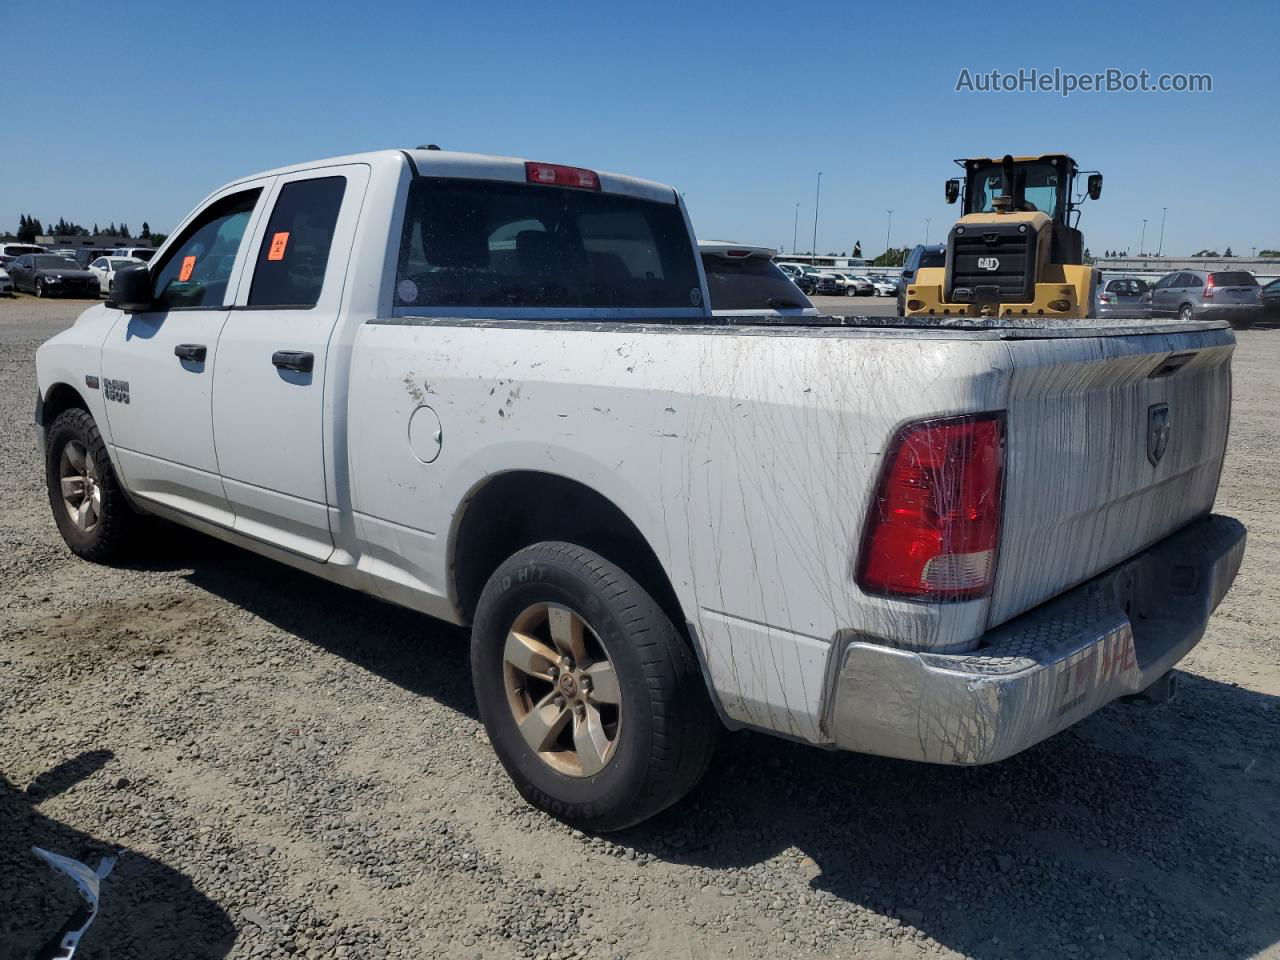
664, 728
112, 528
1186, 313
39, 287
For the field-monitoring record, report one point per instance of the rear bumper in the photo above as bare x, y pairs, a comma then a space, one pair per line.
1036, 675
1228, 311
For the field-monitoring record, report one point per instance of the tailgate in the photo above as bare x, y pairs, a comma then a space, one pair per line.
1113, 442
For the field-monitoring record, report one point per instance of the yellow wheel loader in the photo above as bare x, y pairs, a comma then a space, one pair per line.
1016, 250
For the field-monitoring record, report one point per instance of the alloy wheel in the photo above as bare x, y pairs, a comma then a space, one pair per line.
562, 689
81, 490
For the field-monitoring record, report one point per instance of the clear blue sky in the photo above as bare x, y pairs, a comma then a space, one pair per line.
739, 105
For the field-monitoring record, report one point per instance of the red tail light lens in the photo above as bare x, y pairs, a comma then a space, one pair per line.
1208, 291
557, 175
934, 526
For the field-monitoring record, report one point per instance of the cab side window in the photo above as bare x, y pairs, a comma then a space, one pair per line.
194, 275
295, 250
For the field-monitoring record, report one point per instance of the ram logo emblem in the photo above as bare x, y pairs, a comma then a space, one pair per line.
1157, 432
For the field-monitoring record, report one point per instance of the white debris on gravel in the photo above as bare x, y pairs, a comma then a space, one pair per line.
297, 771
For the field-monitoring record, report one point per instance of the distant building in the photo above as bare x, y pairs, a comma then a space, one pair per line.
98, 241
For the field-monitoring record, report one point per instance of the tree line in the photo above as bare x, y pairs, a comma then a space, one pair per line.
30, 227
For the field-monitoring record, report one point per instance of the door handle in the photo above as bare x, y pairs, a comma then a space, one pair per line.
195, 352
293, 360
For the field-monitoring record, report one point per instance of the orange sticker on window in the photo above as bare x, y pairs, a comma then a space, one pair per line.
278, 242
188, 264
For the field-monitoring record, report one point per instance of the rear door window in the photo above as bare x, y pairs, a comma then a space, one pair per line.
474, 243
749, 283
295, 249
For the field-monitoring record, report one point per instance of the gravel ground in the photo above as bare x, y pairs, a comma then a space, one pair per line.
293, 769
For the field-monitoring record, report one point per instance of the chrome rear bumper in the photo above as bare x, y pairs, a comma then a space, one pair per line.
1043, 671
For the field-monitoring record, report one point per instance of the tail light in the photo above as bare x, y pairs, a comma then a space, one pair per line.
1105, 297
557, 175
934, 526
1208, 291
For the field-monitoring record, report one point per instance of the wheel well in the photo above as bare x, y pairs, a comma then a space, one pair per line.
62, 397
513, 510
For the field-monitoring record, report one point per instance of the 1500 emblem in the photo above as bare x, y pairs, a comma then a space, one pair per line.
117, 390
988, 263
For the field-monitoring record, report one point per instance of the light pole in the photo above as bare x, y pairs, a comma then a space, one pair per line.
887, 230
927, 221
1143, 241
1160, 249
817, 195
794, 227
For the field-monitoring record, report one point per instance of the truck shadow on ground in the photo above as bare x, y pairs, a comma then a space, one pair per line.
1141, 832
147, 909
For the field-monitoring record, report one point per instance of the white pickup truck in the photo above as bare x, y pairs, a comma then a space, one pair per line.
497, 392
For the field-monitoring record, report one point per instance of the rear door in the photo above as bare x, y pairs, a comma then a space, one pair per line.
273, 355
157, 366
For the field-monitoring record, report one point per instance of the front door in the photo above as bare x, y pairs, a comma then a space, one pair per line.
273, 358
157, 366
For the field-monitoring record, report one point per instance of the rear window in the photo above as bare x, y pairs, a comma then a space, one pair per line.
1127, 286
17, 250
933, 258
474, 243
144, 255
1232, 278
750, 283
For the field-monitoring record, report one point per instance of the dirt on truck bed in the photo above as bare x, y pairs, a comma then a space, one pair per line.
291, 769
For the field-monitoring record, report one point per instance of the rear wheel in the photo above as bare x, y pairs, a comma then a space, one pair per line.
592, 700
1186, 313
88, 505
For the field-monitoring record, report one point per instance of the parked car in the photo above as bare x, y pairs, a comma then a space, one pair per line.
86, 255
514, 411
1208, 295
743, 280
104, 268
1270, 298
795, 271
6, 282
139, 253
921, 255
1124, 297
825, 283
47, 275
12, 251
884, 286
854, 286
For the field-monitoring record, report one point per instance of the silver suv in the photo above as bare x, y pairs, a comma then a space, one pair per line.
1207, 295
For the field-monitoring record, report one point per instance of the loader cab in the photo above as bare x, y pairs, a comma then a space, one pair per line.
1016, 186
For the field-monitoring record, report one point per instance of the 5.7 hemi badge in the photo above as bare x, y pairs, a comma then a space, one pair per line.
117, 390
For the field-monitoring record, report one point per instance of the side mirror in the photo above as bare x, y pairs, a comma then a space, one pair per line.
131, 290
953, 191
1095, 186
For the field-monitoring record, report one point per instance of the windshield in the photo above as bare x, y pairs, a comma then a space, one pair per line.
55, 263
487, 243
1039, 182
750, 283
933, 258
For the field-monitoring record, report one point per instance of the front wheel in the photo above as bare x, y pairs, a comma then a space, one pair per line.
39, 287
592, 700
88, 504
